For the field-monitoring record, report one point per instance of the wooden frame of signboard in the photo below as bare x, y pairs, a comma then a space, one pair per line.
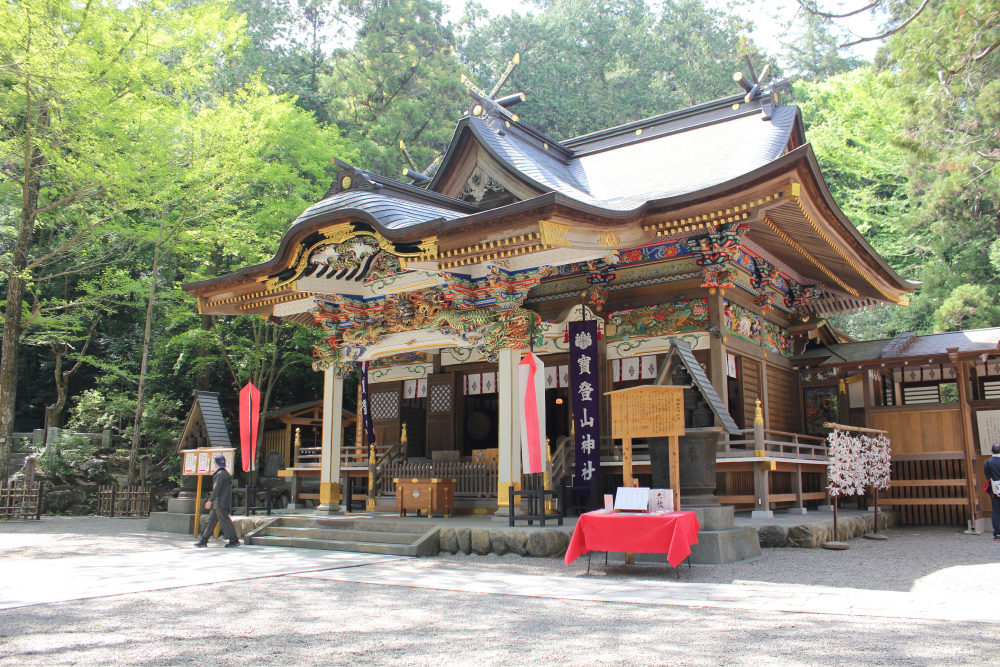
649, 411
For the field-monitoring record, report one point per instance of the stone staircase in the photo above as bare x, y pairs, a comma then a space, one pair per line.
372, 537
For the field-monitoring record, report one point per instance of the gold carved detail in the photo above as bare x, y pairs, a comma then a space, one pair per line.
345, 183
554, 233
609, 240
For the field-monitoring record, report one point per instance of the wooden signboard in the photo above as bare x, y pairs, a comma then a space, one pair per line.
649, 411
202, 461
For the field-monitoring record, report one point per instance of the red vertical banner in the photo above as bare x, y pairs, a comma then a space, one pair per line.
531, 372
249, 421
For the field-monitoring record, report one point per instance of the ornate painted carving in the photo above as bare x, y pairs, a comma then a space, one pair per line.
659, 320
554, 233
742, 323
800, 295
777, 339
479, 184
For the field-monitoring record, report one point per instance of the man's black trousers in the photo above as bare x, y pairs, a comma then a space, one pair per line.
219, 515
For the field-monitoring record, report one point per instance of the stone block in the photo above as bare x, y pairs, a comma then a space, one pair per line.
171, 522
464, 536
558, 541
516, 541
181, 505
481, 542
772, 537
725, 546
714, 518
499, 542
804, 536
449, 541
537, 544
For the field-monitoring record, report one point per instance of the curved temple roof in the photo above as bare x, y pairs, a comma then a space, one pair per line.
616, 179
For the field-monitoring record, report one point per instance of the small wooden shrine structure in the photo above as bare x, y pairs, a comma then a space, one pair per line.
711, 224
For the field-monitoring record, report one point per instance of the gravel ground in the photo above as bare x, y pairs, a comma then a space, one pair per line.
912, 559
301, 621
64, 536
298, 621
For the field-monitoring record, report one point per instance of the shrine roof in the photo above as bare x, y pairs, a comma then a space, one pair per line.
922, 345
385, 207
624, 167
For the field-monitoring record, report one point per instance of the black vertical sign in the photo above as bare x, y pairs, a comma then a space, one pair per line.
366, 415
583, 373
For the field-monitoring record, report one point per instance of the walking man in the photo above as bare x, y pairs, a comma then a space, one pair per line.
219, 502
992, 469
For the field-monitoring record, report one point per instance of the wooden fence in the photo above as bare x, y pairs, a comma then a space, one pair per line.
929, 489
20, 501
473, 480
123, 501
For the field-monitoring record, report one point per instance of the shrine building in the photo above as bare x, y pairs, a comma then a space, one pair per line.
712, 224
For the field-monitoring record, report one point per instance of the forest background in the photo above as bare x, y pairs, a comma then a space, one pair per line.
150, 143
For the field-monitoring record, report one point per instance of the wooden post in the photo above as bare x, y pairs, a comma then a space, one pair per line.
797, 490
197, 507
627, 461
675, 470
971, 464
762, 507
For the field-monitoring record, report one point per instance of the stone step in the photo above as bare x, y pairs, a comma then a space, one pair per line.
342, 535
337, 545
350, 524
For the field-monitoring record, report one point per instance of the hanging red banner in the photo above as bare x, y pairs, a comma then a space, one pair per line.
531, 372
249, 420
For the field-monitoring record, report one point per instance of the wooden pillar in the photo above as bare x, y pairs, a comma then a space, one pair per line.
762, 506
627, 462
332, 440
717, 347
797, 490
971, 461
509, 428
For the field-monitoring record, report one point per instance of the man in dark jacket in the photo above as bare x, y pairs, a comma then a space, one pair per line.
219, 502
992, 469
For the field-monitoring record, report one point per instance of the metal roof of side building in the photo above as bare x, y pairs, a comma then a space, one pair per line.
907, 345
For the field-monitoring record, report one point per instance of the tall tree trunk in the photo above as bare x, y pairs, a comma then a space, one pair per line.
16, 283
54, 413
133, 455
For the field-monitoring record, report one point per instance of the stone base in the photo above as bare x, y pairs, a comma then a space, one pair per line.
716, 547
503, 514
171, 522
762, 514
836, 546
875, 536
326, 509
181, 505
798, 510
824, 508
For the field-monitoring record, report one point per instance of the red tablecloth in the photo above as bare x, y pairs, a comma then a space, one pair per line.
671, 534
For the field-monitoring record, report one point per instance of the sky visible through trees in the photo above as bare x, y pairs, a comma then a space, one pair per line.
145, 145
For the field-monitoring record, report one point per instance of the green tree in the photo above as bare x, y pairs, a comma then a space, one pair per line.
968, 307
813, 53
588, 66
81, 87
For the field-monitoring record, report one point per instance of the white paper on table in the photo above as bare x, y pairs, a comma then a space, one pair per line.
634, 498
661, 500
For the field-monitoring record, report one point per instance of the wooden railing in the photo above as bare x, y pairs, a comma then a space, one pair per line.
115, 501
21, 501
472, 480
277, 441
777, 444
563, 458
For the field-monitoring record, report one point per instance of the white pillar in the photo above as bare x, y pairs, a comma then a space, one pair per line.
333, 436
509, 427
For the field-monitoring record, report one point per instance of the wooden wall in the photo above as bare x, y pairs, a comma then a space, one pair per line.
750, 380
922, 429
781, 412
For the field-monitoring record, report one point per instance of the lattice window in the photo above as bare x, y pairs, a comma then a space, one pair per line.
385, 405
991, 390
441, 398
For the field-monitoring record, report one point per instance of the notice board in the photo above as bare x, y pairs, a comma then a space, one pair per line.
648, 411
